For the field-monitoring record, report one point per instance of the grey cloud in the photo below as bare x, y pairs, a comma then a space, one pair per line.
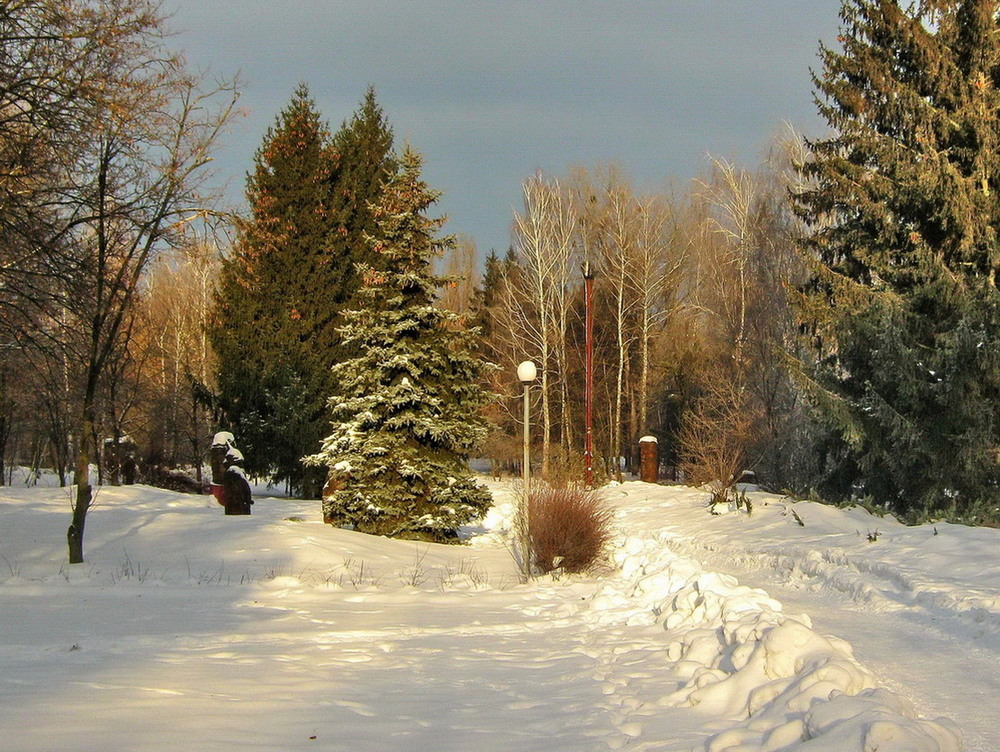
491, 91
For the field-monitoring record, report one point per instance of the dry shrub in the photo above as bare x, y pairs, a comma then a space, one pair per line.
568, 528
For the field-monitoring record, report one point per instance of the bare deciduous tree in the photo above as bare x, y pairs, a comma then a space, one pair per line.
180, 365
618, 248
103, 135
719, 432
538, 309
743, 261
655, 275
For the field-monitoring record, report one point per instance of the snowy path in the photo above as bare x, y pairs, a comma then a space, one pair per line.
374, 669
187, 629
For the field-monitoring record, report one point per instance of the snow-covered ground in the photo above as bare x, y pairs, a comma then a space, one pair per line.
187, 629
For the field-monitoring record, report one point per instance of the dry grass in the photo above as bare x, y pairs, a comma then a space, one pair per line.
568, 528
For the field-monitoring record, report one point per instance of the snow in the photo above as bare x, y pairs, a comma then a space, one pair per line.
223, 438
189, 629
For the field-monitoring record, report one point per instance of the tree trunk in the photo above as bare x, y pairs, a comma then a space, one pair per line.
74, 535
546, 411
4, 435
84, 496
633, 435
84, 491
565, 418
644, 372
616, 430
196, 457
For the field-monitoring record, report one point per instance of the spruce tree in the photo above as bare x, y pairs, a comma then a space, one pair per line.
408, 411
283, 290
904, 218
364, 146
485, 300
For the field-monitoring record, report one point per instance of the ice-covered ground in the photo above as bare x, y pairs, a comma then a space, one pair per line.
186, 629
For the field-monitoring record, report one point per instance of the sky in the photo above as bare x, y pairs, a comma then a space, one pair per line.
492, 92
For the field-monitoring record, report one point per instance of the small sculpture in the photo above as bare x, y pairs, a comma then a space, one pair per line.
235, 487
222, 442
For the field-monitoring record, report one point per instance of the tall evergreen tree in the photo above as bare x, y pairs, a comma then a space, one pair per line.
904, 219
408, 411
290, 277
486, 296
364, 147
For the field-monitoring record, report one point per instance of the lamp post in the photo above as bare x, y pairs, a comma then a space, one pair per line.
588, 449
527, 373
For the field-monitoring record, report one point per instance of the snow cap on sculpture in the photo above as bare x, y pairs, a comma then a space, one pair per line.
223, 439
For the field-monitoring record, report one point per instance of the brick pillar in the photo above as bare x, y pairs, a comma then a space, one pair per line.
649, 459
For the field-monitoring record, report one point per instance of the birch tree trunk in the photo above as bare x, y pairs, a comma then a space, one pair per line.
618, 250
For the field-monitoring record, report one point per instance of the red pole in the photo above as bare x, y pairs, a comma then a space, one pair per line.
588, 451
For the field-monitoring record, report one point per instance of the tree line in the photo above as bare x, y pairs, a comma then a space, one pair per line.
691, 316
829, 320
105, 137
826, 319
